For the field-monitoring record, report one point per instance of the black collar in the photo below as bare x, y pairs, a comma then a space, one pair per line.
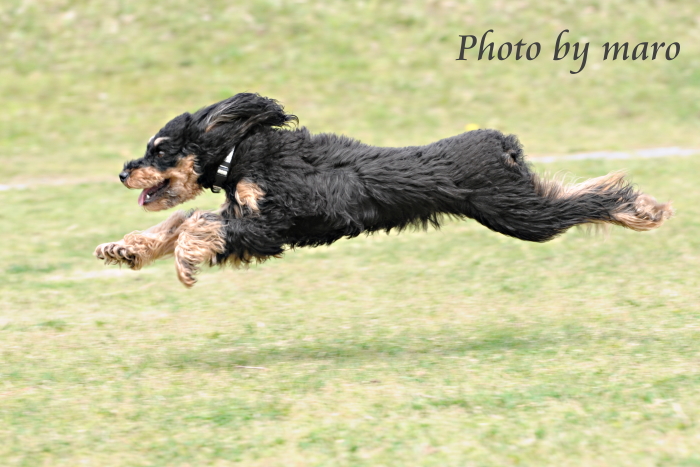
222, 172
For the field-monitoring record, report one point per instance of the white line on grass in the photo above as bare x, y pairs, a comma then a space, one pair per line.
639, 154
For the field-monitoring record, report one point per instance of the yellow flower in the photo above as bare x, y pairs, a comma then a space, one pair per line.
471, 126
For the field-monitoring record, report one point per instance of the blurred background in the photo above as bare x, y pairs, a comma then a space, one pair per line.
84, 84
457, 347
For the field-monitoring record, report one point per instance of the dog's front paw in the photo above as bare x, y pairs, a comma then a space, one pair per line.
185, 272
117, 253
186, 268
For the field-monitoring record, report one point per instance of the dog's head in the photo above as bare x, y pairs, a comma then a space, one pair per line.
182, 158
166, 173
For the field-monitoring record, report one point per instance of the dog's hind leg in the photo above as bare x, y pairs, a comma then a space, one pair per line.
607, 199
507, 196
140, 248
538, 210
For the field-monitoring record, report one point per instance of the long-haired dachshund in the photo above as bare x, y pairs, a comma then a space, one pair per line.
288, 188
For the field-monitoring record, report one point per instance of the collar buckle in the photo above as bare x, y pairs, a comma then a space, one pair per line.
222, 172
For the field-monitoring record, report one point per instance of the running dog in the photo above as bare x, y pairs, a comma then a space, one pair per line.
288, 188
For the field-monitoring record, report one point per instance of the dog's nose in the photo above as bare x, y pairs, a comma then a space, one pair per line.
123, 176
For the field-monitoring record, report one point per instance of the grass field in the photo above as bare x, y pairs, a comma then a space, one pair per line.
459, 347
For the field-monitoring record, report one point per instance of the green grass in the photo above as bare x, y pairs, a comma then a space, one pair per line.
437, 348
458, 347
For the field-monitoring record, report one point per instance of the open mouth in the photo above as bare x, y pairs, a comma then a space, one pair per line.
151, 194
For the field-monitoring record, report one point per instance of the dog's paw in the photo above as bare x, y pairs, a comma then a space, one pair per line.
117, 253
186, 275
185, 272
185, 268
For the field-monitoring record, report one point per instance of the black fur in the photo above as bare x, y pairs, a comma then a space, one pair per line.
319, 188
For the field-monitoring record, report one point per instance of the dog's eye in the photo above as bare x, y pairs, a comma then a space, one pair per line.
161, 153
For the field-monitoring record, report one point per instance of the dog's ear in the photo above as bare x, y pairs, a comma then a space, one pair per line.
247, 110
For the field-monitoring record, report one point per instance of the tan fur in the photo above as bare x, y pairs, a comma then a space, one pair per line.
200, 240
193, 239
137, 249
645, 213
248, 194
183, 184
144, 177
555, 189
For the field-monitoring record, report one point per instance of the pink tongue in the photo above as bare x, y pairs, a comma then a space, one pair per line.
149, 191
142, 197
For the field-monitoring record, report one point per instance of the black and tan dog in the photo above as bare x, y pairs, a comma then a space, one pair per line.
288, 188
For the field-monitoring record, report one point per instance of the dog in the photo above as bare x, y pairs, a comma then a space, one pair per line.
286, 188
